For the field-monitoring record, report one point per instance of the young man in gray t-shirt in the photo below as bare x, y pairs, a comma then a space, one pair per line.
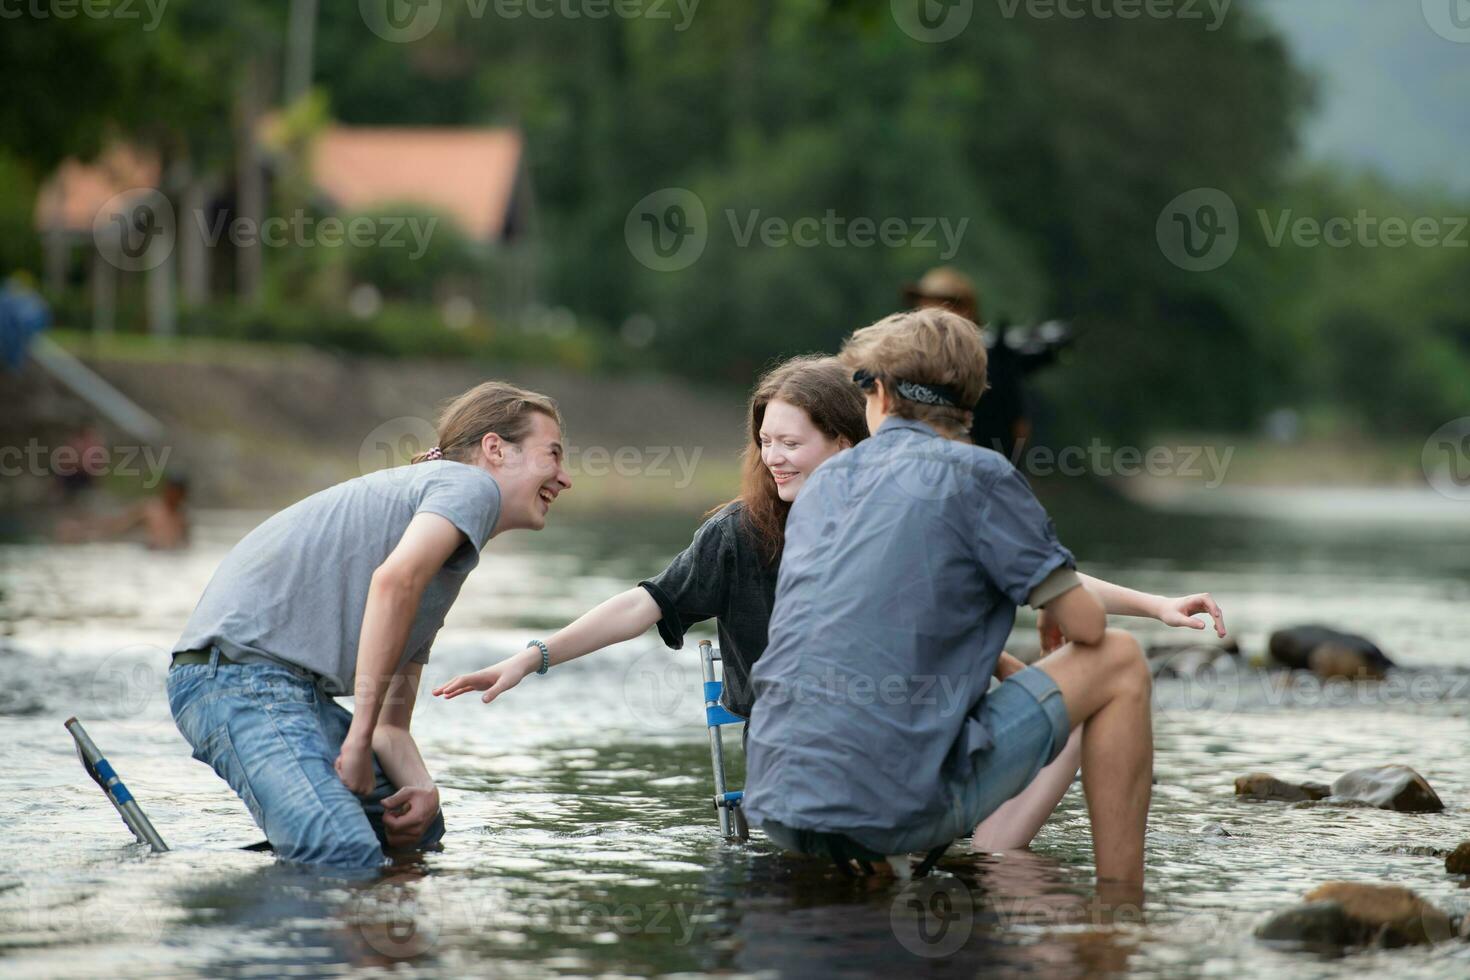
342, 594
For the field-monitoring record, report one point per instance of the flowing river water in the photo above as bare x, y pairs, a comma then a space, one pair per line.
581, 840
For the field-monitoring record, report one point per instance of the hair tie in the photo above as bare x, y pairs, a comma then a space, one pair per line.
434, 453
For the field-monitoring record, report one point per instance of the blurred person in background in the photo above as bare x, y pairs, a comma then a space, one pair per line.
162, 520
1003, 416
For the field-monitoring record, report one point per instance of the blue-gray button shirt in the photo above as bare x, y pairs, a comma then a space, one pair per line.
905, 559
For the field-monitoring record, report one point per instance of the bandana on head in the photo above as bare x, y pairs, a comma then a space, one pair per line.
925, 394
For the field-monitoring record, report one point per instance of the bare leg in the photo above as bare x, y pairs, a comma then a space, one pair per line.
1108, 687
1015, 823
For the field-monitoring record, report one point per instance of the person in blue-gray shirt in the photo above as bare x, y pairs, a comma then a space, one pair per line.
906, 556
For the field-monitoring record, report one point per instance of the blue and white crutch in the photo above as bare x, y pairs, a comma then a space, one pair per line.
117, 793
727, 803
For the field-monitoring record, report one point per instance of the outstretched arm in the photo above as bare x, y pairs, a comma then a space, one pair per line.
1179, 611
624, 616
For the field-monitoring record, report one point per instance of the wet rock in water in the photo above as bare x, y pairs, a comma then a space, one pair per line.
1390, 788
1328, 652
1341, 914
1263, 786
1457, 862
1189, 659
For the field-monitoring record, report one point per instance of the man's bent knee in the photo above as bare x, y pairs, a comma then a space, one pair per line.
1127, 666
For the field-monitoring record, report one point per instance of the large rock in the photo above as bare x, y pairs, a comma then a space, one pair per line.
1340, 914
1457, 862
1390, 788
1328, 652
1263, 786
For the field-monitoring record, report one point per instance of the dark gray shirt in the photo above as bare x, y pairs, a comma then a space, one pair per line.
722, 574
295, 588
905, 559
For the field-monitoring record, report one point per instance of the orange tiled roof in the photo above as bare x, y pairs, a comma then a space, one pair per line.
468, 174
71, 197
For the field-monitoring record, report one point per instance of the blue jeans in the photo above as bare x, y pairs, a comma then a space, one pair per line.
268, 732
1028, 725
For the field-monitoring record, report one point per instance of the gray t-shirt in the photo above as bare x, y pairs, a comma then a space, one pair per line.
295, 588
906, 557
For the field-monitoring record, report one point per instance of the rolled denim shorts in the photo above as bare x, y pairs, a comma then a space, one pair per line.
1028, 725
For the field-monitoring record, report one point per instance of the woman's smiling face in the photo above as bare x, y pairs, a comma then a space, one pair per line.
792, 447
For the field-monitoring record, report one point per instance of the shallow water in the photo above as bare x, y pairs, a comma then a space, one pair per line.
580, 838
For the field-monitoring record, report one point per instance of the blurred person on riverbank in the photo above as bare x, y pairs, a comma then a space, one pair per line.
161, 521
1002, 417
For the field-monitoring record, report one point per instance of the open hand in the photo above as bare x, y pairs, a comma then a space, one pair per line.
1182, 610
494, 680
408, 813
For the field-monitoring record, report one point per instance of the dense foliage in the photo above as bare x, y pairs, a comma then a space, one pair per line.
1048, 147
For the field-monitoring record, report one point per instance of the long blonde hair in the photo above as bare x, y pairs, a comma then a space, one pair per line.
494, 406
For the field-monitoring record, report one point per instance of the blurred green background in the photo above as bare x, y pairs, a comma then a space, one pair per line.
1059, 141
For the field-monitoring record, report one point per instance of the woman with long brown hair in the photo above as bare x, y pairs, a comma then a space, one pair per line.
801, 413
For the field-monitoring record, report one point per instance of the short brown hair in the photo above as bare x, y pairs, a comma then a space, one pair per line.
494, 406
932, 346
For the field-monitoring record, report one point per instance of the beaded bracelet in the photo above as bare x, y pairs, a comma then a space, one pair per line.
545, 655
